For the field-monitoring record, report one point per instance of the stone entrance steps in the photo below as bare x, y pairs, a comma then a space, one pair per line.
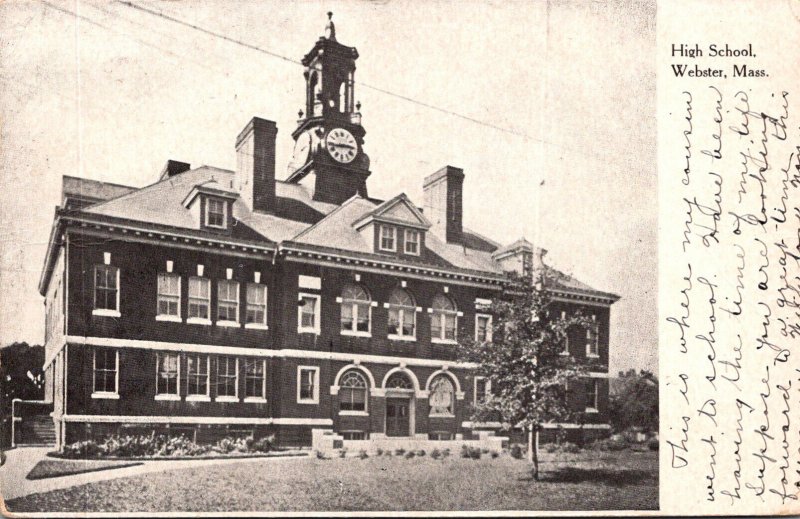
36, 430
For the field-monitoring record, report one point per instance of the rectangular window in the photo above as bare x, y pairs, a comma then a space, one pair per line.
411, 244
443, 326
256, 305
105, 364
401, 321
483, 328
592, 340
106, 290
227, 378
228, 301
199, 297
353, 435
254, 379
593, 396
168, 375
215, 213
169, 295
197, 375
440, 436
307, 385
481, 390
308, 314
388, 238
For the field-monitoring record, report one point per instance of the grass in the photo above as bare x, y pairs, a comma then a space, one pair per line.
57, 468
586, 481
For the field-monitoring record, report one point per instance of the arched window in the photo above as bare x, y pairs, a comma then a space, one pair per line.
442, 397
402, 314
443, 319
356, 311
399, 381
353, 392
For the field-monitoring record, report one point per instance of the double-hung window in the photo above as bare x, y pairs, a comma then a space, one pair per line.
482, 389
356, 311
388, 238
168, 376
227, 302
227, 379
256, 313
216, 210
483, 328
592, 340
411, 242
106, 290
593, 396
254, 380
402, 315
443, 319
199, 299
105, 364
169, 297
353, 392
307, 385
197, 374
308, 313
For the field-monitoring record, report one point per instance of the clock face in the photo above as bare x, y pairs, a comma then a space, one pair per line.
341, 145
302, 148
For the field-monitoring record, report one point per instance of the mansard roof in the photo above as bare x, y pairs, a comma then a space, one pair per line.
298, 220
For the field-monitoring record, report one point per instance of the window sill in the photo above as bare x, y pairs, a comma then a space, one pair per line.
402, 338
442, 415
355, 334
308, 401
198, 398
353, 413
591, 410
564, 353
168, 397
255, 400
106, 312
169, 318
592, 356
228, 324
443, 341
104, 395
256, 326
226, 398
198, 320
308, 330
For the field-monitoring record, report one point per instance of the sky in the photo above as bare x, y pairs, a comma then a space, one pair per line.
557, 139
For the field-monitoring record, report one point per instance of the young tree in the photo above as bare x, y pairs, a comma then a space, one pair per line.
525, 362
634, 401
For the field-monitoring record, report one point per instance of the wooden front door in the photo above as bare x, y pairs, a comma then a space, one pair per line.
397, 419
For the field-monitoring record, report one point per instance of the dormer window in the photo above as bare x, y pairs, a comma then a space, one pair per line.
216, 213
411, 242
388, 238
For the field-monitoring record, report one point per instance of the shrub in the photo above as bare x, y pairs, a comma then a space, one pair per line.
446, 453
400, 451
569, 448
652, 445
516, 452
320, 455
421, 452
475, 453
379, 452
485, 451
436, 454
264, 444
495, 454
362, 454
610, 444
343, 452
550, 447
464, 451
410, 454
84, 449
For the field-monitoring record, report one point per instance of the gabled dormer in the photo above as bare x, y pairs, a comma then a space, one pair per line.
395, 227
211, 207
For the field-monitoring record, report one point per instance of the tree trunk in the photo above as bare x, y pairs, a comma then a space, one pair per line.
533, 450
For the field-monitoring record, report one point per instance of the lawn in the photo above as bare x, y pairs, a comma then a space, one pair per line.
590, 481
50, 468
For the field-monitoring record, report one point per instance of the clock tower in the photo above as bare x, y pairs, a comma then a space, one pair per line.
328, 154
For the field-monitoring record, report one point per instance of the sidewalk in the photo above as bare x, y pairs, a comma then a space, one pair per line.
21, 460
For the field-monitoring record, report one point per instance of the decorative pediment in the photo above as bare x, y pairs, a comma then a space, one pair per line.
399, 210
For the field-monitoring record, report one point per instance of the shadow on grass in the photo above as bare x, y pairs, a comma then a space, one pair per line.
617, 478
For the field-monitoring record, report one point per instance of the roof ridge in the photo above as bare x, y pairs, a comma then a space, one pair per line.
327, 216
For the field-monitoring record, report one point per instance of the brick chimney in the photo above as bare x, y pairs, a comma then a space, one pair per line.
255, 170
443, 204
172, 168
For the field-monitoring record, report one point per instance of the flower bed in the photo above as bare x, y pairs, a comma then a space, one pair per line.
159, 446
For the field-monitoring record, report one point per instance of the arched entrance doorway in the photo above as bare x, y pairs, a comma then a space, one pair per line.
399, 405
